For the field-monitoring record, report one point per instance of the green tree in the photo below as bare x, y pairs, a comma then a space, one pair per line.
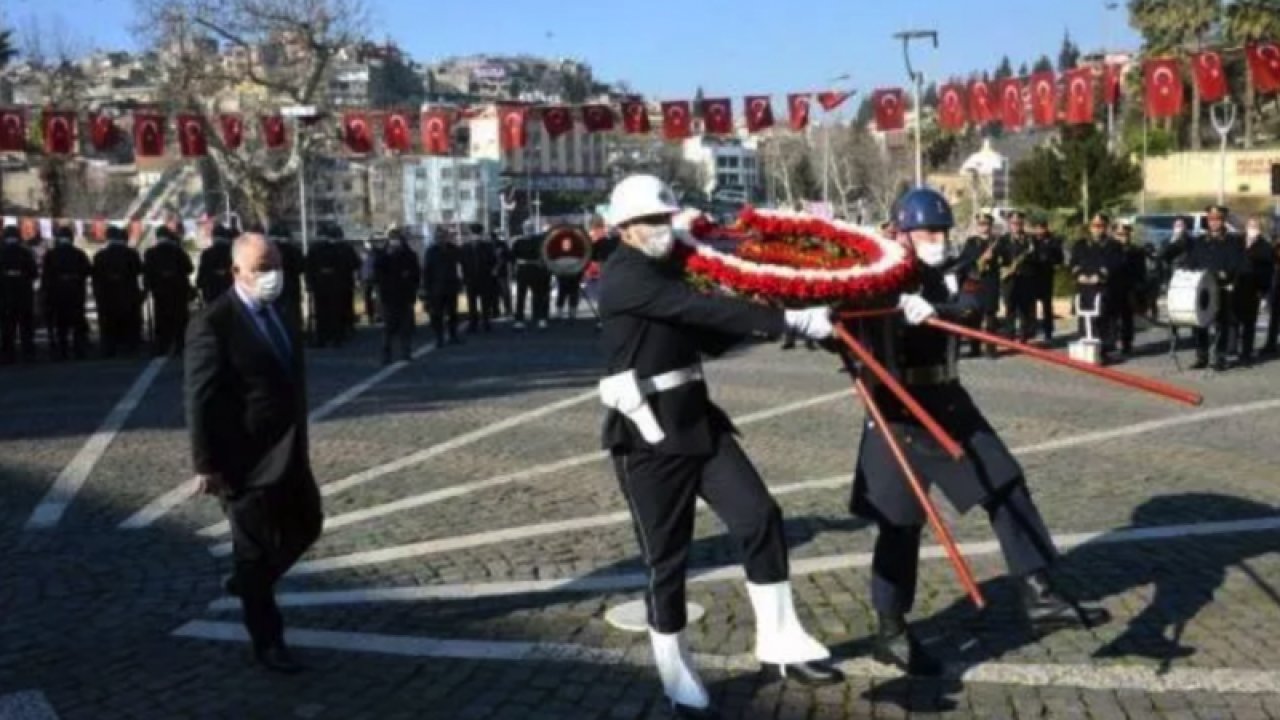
930, 98
698, 97
1043, 64
1004, 70
1176, 27
1249, 21
1023, 70
865, 112
1075, 174
8, 51
1069, 55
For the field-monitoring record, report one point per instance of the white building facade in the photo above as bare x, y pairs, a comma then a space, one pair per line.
730, 163
448, 190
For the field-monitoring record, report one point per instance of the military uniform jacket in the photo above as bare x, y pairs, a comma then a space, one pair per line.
479, 264
116, 269
18, 273
166, 268
1017, 257
880, 489
1046, 256
66, 269
1099, 258
1259, 268
527, 253
985, 275
291, 265
214, 274
1223, 255
441, 270
655, 322
398, 272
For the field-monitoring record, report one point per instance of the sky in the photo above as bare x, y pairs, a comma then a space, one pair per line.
670, 48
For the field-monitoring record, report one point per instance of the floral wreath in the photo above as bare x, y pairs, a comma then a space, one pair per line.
793, 258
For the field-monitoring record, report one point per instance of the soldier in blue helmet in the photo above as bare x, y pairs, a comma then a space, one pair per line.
925, 360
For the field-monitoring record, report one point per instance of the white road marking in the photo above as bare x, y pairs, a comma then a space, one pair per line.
166, 503
435, 496
1083, 676
803, 566
26, 705
73, 477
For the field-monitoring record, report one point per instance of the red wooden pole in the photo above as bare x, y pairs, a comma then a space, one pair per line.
948, 443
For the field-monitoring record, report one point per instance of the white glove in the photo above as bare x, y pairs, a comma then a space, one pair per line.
812, 323
916, 309
953, 285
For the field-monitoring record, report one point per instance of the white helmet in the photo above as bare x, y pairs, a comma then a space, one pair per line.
640, 196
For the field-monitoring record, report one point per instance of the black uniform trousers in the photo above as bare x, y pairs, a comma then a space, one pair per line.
662, 492
397, 325
503, 295
1247, 309
1273, 322
1224, 326
1024, 541
171, 315
536, 280
1121, 319
481, 301
270, 529
17, 320
569, 292
67, 320
1044, 303
119, 322
371, 298
1020, 309
443, 308
331, 317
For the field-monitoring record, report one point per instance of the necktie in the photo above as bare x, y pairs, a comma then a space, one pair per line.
279, 342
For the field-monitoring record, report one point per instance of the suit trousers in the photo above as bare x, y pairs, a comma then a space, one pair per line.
397, 325
1044, 302
1024, 542
481, 298
271, 528
171, 314
1247, 317
444, 315
568, 293
662, 492
538, 282
17, 321
69, 326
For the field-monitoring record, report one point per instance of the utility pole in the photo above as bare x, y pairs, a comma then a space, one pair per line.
1223, 125
917, 81
1111, 106
299, 113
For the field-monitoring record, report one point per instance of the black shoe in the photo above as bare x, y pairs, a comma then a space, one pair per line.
896, 646
1268, 350
1199, 364
1245, 361
1047, 607
790, 344
1220, 365
278, 659
684, 712
231, 586
812, 674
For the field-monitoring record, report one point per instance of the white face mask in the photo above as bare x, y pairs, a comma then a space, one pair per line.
1253, 233
932, 254
659, 241
268, 286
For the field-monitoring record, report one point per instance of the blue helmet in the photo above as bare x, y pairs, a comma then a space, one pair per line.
923, 209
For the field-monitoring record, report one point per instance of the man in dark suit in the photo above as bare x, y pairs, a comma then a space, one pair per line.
671, 444
246, 408
441, 281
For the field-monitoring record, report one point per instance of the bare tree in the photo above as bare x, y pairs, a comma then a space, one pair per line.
787, 161
276, 52
52, 54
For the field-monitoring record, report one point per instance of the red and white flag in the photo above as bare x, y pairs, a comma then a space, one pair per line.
1112, 79
635, 117
274, 133
232, 126
798, 111
148, 134
1264, 65
597, 118
436, 131
890, 112
951, 115
1044, 99
717, 116
59, 132
832, 99
191, 139
1164, 88
13, 130
1206, 69
1011, 109
511, 130
759, 113
982, 106
356, 133
102, 132
396, 135
1079, 86
557, 121
675, 120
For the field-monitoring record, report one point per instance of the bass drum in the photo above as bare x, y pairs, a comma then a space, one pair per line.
1192, 299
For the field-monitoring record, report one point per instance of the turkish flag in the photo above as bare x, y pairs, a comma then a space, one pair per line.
717, 116
635, 117
356, 133
437, 128
597, 118
274, 135
1206, 69
890, 113
830, 100
13, 130
1111, 84
1011, 110
798, 111
675, 120
191, 139
759, 113
102, 132
951, 108
1079, 84
557, 120
1044, 99
232, 131
511, 131
395, 132
1264, 65
148, 134
982, 108
59, 132
1164, 88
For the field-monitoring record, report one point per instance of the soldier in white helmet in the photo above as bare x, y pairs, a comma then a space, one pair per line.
671, 445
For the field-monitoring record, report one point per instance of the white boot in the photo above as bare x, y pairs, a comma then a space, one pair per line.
675, 668
780, 638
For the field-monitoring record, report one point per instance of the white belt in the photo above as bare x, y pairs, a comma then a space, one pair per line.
628, 394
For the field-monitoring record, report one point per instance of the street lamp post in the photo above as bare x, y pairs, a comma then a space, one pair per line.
1223, 124
917, 81
1111, 106
300, 113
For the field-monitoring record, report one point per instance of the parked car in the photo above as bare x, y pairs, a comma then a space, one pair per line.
1156, 228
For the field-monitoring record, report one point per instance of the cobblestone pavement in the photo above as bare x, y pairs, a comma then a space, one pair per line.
476, 539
